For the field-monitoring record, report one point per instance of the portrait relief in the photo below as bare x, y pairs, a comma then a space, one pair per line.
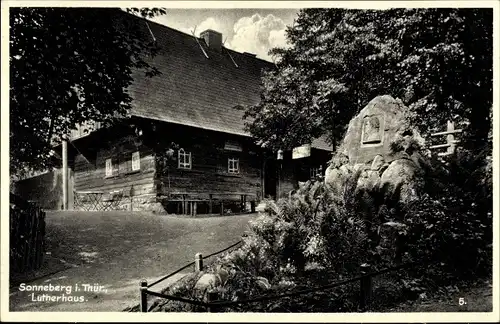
372, 131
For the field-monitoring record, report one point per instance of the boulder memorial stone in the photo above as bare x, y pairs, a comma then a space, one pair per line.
381, 144
385, 152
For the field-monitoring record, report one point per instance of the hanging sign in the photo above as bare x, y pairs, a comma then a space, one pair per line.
301, 151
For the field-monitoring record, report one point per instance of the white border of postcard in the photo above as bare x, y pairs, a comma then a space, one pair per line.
5, 315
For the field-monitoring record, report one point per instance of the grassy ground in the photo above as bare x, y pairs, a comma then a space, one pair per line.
50, 266
118, 249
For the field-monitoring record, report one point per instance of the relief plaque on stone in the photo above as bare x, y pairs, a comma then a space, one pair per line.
372, 131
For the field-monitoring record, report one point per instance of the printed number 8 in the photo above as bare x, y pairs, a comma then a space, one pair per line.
461, 301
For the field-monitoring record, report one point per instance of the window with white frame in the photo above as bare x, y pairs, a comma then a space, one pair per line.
184, 159
136, 161
233, 165
109, 168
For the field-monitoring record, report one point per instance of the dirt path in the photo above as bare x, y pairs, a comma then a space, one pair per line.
115, 250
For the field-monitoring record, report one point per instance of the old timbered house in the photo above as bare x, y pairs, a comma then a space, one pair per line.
191, 154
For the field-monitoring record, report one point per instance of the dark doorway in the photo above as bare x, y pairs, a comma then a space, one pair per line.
270, 178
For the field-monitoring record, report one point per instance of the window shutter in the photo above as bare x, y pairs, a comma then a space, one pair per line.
109, 168
116, 166
136, 161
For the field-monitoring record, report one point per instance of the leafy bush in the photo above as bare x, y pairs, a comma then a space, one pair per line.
453, 226
313, 224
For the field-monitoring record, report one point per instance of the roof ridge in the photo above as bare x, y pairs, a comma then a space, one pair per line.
161, 25
243, 53
191, 35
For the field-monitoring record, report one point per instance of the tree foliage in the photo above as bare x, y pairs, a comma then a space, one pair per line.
68, 66
438, 61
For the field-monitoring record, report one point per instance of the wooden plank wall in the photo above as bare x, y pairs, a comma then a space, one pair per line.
91, 174
207, 178
209, 172
208, 175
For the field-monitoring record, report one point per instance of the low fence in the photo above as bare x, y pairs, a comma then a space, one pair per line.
198, 266
213, 304
27, 232
451, 141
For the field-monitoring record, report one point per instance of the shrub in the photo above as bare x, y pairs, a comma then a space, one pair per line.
453, 226
313, 224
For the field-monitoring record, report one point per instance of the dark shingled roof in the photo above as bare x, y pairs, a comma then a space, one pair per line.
197, 91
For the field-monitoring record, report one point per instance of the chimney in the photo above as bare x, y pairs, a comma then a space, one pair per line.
213, 39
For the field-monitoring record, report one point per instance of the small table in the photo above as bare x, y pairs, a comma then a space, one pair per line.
115, 197
94, 199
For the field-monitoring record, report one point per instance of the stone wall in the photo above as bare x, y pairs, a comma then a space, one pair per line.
46, 189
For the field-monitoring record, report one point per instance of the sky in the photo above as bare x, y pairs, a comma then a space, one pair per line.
244, 30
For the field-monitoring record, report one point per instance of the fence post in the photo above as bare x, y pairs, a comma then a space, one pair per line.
34, 255
365, 287
144, 296
198, 262
212, 296
450, 138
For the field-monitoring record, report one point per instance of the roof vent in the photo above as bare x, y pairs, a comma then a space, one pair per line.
212, 38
